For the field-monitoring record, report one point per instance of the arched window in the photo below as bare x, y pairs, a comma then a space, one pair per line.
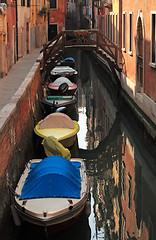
140, 38
139, 54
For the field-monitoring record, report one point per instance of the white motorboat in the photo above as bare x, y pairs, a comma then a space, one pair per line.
52, 192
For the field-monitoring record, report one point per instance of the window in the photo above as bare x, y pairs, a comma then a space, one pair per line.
37, 5
129, 192
140, 73
123, 184
28, 3
130, 33
110, 27
153, 40
103, 25
106, 25
113, 30
53, 3
124, 32
3, 1
22, 2
139, 38
116, 29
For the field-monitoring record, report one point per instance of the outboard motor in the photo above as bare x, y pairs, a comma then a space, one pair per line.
63, 88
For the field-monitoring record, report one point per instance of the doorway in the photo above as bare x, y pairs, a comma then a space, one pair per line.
52, 31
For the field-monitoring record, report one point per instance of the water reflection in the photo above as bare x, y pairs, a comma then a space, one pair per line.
120, 164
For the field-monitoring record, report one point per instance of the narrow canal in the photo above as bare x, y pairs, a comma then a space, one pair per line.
120, 164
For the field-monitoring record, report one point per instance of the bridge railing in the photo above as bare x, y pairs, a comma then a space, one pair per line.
89, 39
50, 50
80, 38
111, 49
107, 46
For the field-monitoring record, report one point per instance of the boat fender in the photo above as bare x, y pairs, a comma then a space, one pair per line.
70, 208
16, 218
45, 213
23, 209
88, 208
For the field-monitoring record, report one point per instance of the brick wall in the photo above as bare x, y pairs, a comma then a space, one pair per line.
16, 134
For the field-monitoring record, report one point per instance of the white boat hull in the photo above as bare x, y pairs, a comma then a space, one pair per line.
50, 212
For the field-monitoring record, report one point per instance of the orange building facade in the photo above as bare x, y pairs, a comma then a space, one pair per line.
132, 27
23, 27
139, 53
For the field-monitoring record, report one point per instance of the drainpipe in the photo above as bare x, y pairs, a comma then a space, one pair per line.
16, 31
93, 14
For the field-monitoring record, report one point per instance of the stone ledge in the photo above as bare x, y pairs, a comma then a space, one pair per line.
5, 113
10, 107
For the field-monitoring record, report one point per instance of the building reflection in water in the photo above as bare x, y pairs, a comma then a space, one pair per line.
120, 165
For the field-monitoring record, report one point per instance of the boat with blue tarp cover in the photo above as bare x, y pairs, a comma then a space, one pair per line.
68, 61
52, 191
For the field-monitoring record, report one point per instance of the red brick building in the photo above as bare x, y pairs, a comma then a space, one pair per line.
57, 14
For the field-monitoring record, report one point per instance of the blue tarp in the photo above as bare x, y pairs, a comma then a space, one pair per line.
68, 59
54, 176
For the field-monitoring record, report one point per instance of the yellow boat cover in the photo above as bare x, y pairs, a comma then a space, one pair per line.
53, 147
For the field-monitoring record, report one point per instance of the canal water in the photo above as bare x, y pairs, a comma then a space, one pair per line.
120, 164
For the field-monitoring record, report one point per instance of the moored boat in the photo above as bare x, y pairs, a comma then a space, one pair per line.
59, 125
52, 103
54, 87
51, 192
67, 71
68, 61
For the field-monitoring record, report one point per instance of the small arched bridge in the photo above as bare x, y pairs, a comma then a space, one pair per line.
91, 40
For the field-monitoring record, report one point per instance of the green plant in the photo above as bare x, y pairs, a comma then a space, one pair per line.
44, 11
81, 35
